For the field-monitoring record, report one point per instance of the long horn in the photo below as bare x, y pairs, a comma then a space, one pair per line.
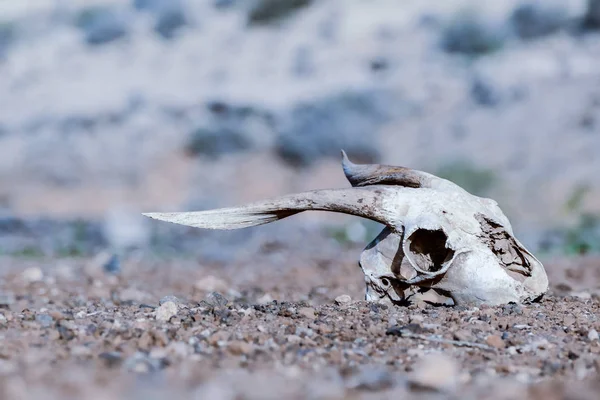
368, 203
375, 174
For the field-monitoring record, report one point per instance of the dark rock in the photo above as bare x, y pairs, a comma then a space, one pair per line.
512, 309
216, 141
101, 25
379, 64
169, 21
409, 328
592, 15
222, 4
65, 333
217, 300
483, 93
7, 37
346, 121
113, 265
170, 15
532, 20
469, 34
263, 12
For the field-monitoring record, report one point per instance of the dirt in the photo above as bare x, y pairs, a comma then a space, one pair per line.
283, 323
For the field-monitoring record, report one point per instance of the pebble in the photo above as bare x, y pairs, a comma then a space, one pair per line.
569, 320
495, 341
166, 311
294, 339
343, 299
217, 300
593, 335
435, 372
238, 347
462, 335
307, 312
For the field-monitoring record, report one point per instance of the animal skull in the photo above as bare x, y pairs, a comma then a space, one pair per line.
437, 235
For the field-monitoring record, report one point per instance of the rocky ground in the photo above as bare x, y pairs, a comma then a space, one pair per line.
112, 108
281, 324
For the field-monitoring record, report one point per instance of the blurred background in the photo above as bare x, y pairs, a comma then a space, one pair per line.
110, 108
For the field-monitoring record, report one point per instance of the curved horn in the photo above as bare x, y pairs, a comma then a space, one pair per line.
363, 202
375, 174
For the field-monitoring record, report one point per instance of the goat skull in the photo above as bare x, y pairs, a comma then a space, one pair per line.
437, 235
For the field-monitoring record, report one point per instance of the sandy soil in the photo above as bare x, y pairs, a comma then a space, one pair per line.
280, 327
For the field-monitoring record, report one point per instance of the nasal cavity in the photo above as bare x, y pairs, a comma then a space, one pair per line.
428, 249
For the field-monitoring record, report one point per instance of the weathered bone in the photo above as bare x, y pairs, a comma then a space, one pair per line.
437, 236
374, 174
363, 202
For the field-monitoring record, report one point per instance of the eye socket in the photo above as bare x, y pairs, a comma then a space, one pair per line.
385, 282
427, 248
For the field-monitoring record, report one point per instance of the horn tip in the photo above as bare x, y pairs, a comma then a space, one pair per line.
152, 215
346, 163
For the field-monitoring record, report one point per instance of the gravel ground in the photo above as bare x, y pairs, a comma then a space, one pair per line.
285, 325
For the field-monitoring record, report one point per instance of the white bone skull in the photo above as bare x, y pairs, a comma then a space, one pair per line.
437, 235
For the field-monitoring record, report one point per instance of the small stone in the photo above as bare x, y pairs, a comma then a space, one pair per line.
217, 300
307, 312
32, 275
435, 372
112, 265
593, 335
211, 284
495, 341
343, 299
294, 339
462, 335
166, 311
238, 348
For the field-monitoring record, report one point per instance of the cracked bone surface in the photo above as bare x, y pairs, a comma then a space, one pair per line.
437, 237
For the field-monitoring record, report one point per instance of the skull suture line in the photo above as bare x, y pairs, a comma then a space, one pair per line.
437, 235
